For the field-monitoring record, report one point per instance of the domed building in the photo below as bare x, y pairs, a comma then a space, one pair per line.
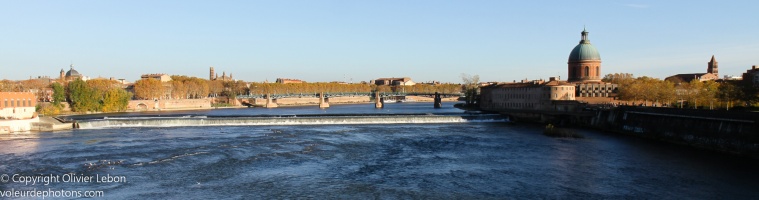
71, 75
584, 62
584, 68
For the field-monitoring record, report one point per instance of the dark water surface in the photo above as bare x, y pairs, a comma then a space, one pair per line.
470, 160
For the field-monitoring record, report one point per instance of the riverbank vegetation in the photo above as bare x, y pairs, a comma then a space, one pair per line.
681, 94
553, 131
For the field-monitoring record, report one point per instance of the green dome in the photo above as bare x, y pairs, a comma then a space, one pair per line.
584, 50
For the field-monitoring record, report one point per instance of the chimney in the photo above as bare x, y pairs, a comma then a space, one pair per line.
753, 67
551, 79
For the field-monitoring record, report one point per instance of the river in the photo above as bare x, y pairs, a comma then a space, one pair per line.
412, 151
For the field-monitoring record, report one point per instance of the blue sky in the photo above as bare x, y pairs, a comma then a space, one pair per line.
355, 41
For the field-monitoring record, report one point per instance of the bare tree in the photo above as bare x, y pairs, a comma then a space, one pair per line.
471, 84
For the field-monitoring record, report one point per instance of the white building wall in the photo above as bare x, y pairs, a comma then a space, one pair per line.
13, 126
17, 113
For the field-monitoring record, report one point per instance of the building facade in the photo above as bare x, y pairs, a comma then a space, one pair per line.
213, 76
527, 95
160, 77
596, 89
286, 80
405, 81
712, 74
752, 76
17, 105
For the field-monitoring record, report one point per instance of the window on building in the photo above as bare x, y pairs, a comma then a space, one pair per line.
30, 102
23, 103
6, 103
598, 71
587, 71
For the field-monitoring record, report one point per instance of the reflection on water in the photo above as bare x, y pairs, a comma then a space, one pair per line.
456, 160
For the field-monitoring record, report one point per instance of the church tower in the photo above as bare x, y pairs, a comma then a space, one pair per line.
584, 63
712, 69
210, 76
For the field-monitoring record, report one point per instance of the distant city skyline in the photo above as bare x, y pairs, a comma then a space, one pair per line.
353, 41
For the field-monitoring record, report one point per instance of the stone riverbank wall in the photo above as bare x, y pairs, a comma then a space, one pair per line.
728, 131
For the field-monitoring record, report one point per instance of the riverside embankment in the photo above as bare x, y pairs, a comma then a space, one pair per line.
735, 132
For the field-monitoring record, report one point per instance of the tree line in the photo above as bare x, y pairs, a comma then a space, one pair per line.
678, 93
98, 95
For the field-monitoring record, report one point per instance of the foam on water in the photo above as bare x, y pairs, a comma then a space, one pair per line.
283, 120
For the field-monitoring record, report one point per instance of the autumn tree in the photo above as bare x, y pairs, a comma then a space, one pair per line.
305, 88
234, 88
188, 87
383, 89
148, 89
36, 86
729, 92
215, 87
618, 78
9, 86
708, 93
664, 92
82, 97
692, 92
115, 99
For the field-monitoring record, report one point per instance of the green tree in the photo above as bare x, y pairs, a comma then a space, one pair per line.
82, 97
59, 94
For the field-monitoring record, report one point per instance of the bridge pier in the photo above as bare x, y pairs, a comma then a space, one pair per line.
378, 101
322, 101
270, 102
438, 101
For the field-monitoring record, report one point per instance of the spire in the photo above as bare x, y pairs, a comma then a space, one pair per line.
713, 60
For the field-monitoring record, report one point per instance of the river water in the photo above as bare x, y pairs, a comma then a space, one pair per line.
336, 153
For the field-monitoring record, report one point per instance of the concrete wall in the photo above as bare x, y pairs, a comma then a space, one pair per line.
151, 105
12, 126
